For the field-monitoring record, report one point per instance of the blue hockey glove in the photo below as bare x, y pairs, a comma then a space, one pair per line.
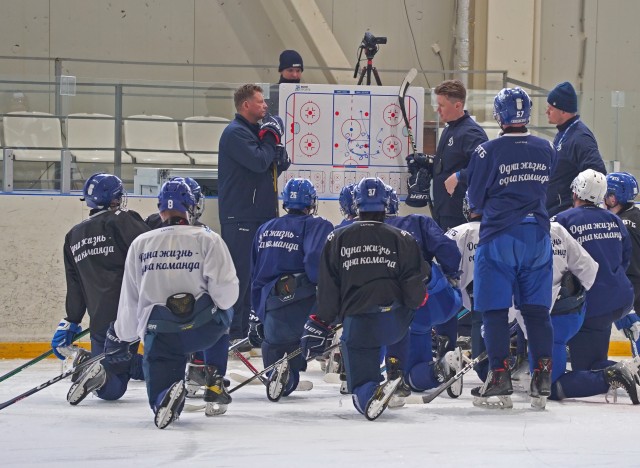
63, 337
256, 330
272, 124
117, 351
419, 187
630, 325
315, 337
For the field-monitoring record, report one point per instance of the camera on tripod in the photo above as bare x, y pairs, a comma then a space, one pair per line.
370, 43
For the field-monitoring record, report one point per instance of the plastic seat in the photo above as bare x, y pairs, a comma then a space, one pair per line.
161, 133
202, 136
33, 129
92, 131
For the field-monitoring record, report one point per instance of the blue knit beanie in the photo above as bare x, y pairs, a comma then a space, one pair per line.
564, 97
290, 59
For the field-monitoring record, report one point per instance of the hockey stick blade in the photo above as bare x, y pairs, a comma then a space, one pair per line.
44, 355
443, 386
56, 379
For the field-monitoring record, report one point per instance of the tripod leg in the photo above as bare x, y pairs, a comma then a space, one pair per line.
362, 72
377, 76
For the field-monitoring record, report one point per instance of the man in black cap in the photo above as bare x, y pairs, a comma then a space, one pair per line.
577, 149
290, 68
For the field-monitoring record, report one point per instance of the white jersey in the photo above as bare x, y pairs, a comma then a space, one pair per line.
171, 260
568, 255
466, 237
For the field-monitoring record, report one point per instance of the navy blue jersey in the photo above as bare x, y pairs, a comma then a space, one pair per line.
245, 174
287, 245
604, 236
577, 150
508, 180
457, 142
94, 256
630, 216
432, 241
366, 265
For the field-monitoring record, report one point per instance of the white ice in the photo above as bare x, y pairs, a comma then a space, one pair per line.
319, 428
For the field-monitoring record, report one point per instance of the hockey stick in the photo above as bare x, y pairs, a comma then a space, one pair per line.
288, 357
250, 366
38, 359
634, 346
401, 96
402, 93
470, 365
57, 378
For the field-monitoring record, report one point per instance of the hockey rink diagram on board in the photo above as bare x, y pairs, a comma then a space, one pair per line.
335, 135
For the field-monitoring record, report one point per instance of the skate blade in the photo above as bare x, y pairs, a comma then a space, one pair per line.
376, 407
456, 389
193, 408
503, 402
278, 381
166, 415
539, 403
215, 409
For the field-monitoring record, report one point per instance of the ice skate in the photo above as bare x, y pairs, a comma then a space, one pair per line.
80, 356
453, 360
393, 373
380, 399
498, 384
195, 379
540, 387
278, 380
215, 394
169, 408
91, 379
623, 375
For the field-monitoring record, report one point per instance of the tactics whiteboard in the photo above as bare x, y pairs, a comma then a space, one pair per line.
337, 134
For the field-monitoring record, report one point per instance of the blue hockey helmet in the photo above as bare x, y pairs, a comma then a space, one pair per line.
512, 106
175, 194
299, 194
623, 185
347, 204
393, 206
371, 195
196, 190
102, 191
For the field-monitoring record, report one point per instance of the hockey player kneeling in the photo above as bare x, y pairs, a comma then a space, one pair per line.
178, 289
371, 278
285, 257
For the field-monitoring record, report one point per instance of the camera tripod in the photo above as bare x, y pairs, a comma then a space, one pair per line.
368, 69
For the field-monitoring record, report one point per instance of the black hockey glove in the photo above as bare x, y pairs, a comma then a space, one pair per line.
117, 351
315, 337
419, 161
272, 124
419, 186
256, 330
282, 157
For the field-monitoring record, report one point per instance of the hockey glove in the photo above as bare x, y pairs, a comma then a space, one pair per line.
63, 337
315, 337
630, 325
419, 186
282, 157
117, 351
419, 161
256, 330
272, 124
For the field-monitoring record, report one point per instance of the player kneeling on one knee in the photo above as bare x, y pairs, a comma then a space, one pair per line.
365, 282
178, 289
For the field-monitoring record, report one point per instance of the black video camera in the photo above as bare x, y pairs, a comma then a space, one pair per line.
370, 41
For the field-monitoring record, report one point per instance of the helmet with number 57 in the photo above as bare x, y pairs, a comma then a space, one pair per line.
175, 194
512, 106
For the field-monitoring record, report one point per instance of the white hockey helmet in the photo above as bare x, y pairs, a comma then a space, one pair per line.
590, 186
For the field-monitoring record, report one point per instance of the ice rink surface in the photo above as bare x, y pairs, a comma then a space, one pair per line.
318, 428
